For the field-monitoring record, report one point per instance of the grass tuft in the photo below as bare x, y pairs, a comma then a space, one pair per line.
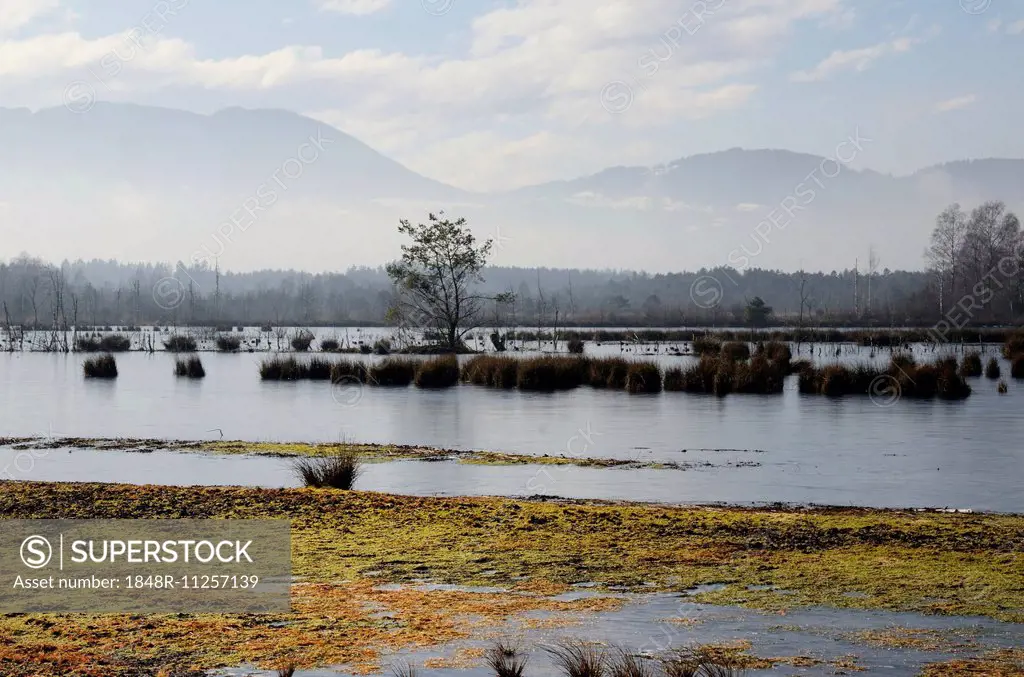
643, 377
393, 372
576, 658
506, 659
992, 369
104, 366
971, 366
180, 344
226, 343
191, 367
437, 372
339, 471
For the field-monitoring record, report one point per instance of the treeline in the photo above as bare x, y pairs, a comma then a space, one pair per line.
974, 263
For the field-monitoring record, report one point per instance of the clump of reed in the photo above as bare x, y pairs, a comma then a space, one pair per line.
286, 671
972, 365
720, 375
576, 658
338, 471
575, 346
1017, 366
706, 345
643, 377
382, 347
102, 366
776, 351
1013, 346
626, 663
226, 343
992, 369
487, 370
506, 659
180, 344
608, 372
349, 371
902, 378
1002, 388
735, 350
301, 341
191, 367
392, 372
112, 343
330, 345
437, 372
318, 369
403, 669
551, 373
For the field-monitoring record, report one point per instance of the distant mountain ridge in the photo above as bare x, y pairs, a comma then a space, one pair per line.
147, 183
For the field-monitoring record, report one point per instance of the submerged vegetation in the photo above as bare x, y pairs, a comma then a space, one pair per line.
104, 366
190, 367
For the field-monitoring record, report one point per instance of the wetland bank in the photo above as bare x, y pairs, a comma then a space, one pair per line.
511, 557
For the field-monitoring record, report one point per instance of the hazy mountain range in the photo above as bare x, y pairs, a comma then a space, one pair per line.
139, 183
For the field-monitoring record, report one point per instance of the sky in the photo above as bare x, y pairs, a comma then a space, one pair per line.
494, 95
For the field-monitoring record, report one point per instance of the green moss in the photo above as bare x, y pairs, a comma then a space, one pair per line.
931, 562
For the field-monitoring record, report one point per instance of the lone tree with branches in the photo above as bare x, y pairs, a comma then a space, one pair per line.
437, 276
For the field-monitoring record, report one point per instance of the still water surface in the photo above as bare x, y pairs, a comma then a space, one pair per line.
812, 449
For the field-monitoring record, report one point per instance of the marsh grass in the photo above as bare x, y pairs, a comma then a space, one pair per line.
1017, 367
576, 658
282, 369
972, 365
608, 372
626, 663
191, 367
393, 371
227, 343
437, 372
734, 350
903, 377
112, 343
992, 369
349, 371
575, 346
1013, 346
301, 341
318, 369
1002, 388
550, 373
329, 345
506, 659
103, 366
643, 377
286, 671
180, 344
720, 375
495, 372
339, 471
707, 345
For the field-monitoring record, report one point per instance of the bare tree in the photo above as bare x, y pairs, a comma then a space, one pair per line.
947, 243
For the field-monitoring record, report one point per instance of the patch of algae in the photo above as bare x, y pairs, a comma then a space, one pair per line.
930, 562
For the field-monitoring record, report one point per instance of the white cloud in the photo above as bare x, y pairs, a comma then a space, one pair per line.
853, 59
15, 14
354, 7
1016, 28
957, 103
